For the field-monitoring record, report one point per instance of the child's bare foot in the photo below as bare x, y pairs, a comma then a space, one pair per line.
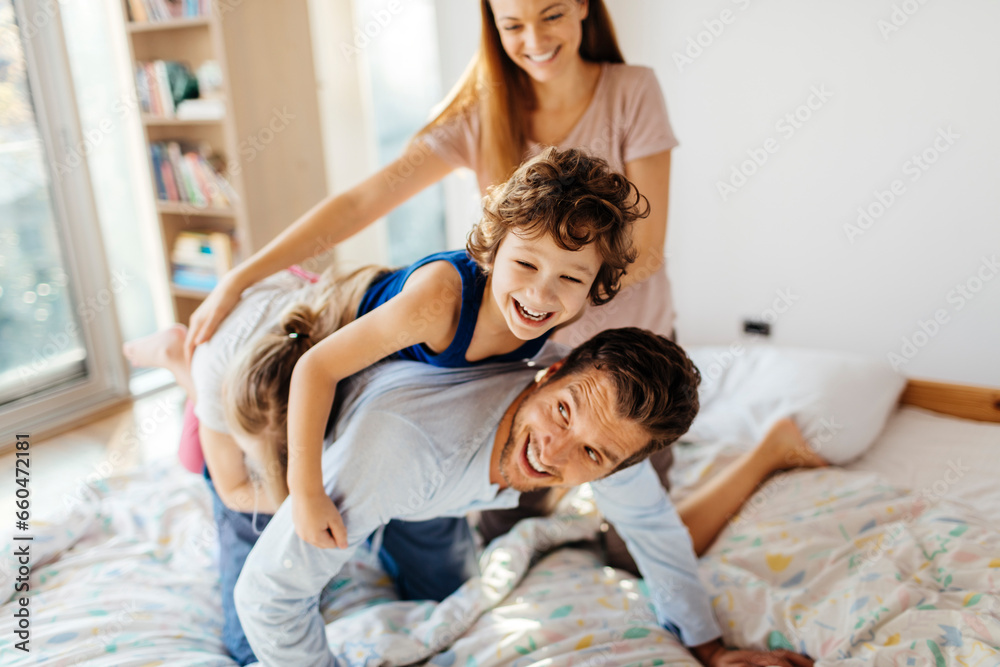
163, 349
786, 447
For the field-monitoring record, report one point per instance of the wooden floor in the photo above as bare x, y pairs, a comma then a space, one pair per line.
146, 431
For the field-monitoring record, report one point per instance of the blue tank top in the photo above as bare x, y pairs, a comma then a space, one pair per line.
473, 287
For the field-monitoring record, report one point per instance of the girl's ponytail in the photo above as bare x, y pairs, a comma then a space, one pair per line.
257, 381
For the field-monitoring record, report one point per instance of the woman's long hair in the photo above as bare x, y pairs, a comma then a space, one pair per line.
503, 93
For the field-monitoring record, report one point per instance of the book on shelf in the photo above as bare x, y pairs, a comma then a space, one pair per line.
199, 259
162, 85
143, 11
189, 174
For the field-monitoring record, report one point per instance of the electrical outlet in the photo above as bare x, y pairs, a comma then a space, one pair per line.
756, 327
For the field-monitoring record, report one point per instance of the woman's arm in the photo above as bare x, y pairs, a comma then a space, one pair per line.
230, 477
651, 176
331, 221
405, 320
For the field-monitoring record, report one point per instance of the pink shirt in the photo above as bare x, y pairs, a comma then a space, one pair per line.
626, 120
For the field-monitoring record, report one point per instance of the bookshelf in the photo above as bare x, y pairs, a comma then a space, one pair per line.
265, 138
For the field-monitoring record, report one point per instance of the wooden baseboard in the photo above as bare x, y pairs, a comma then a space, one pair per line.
956, 400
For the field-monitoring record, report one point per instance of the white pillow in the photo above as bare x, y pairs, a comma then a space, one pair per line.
839, 400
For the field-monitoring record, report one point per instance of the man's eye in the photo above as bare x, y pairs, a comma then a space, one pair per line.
525, 264
564, 412
592, 454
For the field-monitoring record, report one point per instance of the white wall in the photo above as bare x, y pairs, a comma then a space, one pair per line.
458, 27
347, 128
890, 93
780, 238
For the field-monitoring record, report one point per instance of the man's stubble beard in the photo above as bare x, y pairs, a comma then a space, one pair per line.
507, 452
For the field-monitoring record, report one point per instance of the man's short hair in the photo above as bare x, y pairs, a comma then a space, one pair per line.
656, 384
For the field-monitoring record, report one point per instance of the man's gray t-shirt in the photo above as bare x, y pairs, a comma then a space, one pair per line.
414, 442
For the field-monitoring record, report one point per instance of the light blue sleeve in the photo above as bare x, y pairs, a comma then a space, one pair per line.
637, 505
277, 593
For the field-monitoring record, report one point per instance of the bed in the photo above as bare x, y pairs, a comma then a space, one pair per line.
891, 560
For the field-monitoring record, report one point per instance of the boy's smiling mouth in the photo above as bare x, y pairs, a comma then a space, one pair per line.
529, 316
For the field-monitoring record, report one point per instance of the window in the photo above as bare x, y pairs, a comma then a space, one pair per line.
402, 60
40, 343
58, 337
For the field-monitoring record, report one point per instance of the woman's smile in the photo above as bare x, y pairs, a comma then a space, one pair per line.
543, 58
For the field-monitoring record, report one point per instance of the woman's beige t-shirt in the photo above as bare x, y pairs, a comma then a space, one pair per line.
626, 120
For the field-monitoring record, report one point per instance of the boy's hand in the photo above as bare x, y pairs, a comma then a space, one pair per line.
318, 522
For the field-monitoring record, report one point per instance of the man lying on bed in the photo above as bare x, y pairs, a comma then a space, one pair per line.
416, 442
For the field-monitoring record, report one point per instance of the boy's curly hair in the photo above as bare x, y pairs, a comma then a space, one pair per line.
575, 197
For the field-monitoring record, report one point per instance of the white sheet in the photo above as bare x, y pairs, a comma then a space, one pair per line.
918, 448
915, 451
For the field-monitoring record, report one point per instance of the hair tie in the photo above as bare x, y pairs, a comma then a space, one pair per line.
296, 334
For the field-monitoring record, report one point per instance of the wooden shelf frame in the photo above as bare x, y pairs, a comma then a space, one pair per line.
154, 121
264, 51
171, 24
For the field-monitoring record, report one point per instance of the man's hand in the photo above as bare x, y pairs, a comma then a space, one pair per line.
714, 654
318, 522
779, 658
